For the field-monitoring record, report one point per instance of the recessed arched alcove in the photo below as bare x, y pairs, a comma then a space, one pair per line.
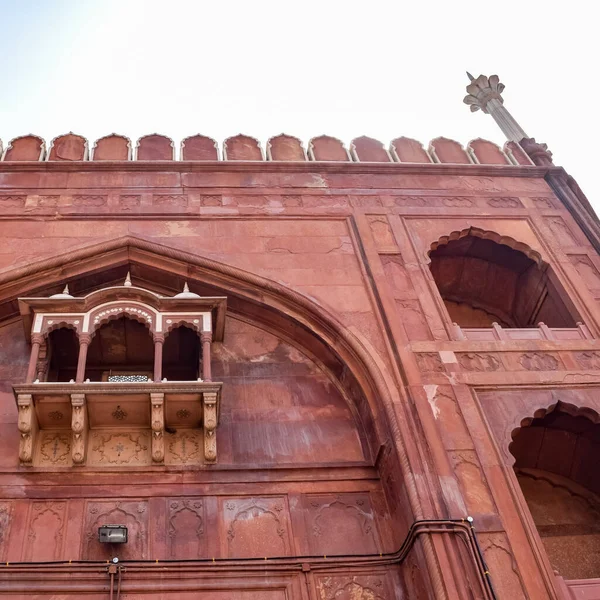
484, 278
121, 348
181, 355
557, 454
63, 349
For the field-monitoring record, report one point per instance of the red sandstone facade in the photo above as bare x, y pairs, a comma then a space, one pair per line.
376, 343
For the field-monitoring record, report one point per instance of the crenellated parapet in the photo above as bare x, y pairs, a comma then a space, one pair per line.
244, 148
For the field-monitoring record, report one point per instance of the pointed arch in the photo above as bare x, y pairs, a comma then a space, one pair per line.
330, 344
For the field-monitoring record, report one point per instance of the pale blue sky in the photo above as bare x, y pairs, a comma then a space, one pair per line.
343, 68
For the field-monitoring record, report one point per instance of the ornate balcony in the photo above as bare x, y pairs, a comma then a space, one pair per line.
113, 373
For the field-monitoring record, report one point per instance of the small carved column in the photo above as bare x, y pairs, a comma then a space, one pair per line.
158, 427
28, 427
209, 401
206, 339
84, 342
79, 428
159, 340
42, 363
36, 341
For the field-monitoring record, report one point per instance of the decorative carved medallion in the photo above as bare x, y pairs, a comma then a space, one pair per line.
119, 413
478, 361
185, 447
55, 448
183, 413
55, 415
120, 448
430, 361
539, 361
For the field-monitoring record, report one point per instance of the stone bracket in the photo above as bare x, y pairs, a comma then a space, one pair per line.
209, 405
28, 428
157, 419
79, 428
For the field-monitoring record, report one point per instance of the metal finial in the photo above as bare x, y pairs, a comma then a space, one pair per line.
128, 280
471, 78
185, 287
66, 290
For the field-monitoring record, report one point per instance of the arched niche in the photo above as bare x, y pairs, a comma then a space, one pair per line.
181, 354
556, 457
484, 278
120, 347
62, 353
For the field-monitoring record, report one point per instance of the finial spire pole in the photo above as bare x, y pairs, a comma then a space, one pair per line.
485, 93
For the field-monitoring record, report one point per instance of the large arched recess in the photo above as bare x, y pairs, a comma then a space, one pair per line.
255, 299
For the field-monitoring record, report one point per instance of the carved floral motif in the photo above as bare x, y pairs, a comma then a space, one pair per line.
185, 447
55, 448
120, 448
538, 361
505, 202
351, 588
588, 360
430, 361
477, 361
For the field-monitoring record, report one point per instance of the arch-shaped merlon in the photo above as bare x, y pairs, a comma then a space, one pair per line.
327, 148
112, 147
444, 150
242, 147
484, 152
25, 147
517, 155
68, 147
285, 147
155, 147
366, 149
199, 147
407, 150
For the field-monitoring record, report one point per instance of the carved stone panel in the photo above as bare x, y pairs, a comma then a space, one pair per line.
6, 509
588, 360
479, 361
353, 587
185, 447
55, 449
396, 275
131, 513
474, 487
341, 524
413, 320
504, 202
185, 528
119, 448
587, 270
539, 361
45, 531
561, 231
382, 232
430, 362
506, 578
255, 527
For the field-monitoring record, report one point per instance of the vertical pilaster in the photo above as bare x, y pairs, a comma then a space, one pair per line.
206, 339
159, 340
84, 342
36, 342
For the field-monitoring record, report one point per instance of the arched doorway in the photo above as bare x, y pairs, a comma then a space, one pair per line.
557, 455
485, 278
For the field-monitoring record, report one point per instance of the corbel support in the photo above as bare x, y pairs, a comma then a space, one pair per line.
79, 428
209, 402
28, 428
158, 427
